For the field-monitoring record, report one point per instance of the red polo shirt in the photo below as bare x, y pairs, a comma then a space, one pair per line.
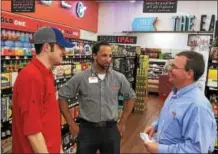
35, 108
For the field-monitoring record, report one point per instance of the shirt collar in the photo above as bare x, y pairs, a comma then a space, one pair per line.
93, 71
184, 90
41, 67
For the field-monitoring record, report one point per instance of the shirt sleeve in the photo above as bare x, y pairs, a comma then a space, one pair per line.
30, 98
155, 124
70, 88
126, 90
199, 131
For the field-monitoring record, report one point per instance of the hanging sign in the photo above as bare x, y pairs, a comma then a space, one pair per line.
22, 5
118, 39
21, 23
160, 6
144, 24
185, 23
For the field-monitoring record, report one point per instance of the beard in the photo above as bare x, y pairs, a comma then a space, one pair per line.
104, 66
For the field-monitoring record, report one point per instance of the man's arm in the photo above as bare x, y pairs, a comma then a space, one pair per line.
37, 143
199, 131
30, 107
128, 107
69, 91
129, 98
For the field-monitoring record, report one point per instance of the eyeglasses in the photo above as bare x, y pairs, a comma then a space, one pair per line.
173, 66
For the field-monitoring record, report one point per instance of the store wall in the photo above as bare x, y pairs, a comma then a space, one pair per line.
57, 14
117, 17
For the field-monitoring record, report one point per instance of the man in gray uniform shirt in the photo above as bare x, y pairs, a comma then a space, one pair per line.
98, 89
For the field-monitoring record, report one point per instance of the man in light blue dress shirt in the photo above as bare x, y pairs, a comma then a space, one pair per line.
186, 123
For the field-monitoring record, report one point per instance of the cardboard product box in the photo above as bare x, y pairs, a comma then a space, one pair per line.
5, 80
6, 145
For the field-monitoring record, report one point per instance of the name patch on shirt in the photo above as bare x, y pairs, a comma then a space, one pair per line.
93, 80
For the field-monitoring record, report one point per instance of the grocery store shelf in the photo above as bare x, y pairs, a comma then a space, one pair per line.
157, 60
59, 79
77, 56
15, 57
4, 88
123, 56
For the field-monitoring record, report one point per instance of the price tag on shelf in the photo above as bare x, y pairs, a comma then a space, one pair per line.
25, 57
7, 57
17, 57
66, 56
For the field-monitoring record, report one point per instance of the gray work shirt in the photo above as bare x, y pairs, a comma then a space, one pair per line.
97, 101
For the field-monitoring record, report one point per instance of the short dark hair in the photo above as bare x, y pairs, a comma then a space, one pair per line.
38, 47
97, 46
195, 62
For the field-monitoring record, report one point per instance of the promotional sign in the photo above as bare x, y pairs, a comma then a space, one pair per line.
82, 15
21, 23
144, 24
118, 39
23, 6
185, 23
160, 6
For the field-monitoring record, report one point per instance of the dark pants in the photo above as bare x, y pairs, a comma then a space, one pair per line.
91, 138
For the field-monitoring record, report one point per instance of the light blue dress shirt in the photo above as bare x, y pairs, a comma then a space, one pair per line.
186, 123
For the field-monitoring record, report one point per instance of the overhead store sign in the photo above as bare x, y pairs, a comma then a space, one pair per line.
185, 23
23, 6
144, 24
80, 7
21, 23
160, 6
118, 39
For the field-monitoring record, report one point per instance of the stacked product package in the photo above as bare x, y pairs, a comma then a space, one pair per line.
141, 83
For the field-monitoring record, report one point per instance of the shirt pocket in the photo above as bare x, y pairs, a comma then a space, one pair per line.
173, 127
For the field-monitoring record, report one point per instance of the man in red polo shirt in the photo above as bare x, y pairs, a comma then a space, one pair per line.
36, 116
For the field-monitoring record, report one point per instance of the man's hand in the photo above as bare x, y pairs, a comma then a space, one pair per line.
151, 147
121, 127
74, 129
150, 131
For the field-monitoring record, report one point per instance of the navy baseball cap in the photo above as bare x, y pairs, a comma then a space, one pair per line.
50, 35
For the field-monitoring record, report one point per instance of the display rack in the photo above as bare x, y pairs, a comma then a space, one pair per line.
17, 50
141, 84
156, 68
212, 82
123, 61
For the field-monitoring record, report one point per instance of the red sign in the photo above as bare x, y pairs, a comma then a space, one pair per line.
21, 23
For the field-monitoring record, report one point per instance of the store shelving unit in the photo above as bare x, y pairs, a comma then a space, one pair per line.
212, 82
124, 59
156, 68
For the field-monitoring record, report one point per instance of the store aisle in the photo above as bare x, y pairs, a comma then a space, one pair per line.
131, 142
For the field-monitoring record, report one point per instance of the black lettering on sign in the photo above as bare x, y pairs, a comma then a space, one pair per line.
6, 20
212, 23
202, 22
